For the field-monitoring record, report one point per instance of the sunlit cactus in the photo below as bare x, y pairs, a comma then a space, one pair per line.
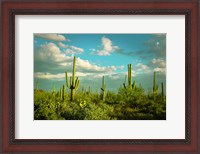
130, 85
73, 83
134, 85
103, 89
130, 75
155, 86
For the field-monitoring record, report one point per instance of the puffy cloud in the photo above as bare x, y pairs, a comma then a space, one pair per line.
158, 65
141, 68
86, 66
71, 49
50, 53
159, 62
52, 37
49, 58
107, 47
162, 70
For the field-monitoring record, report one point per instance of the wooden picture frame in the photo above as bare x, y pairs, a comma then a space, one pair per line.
11, 8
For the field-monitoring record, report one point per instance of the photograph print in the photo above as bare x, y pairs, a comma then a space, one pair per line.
99, 76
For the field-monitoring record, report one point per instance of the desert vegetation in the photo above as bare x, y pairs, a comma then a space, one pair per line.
71, 102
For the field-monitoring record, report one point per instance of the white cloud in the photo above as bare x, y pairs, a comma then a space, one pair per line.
50, 53
49, 58
85, 65
140, 68
159, 62
58, 76
53, 37
107, 47
71, 49
42, 75
158, 65
162, 70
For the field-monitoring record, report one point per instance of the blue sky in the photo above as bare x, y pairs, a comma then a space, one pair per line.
99, 55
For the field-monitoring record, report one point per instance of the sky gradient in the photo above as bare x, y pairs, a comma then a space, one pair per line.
99, 55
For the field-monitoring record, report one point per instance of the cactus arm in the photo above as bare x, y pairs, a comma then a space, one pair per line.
134, 85
77, 83
124, 84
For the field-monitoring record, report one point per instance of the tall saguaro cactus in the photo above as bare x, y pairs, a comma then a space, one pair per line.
130, 85
103, 89
130, 75
155, 86
73, 83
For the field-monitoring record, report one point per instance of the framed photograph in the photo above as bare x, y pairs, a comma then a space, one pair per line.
114, 77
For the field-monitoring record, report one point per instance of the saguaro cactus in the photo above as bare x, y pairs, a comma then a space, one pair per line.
73, 84
130, 85
162, 93
103, 89
155, 86
130, 75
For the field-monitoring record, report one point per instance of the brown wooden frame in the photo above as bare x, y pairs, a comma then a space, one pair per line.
9, 9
